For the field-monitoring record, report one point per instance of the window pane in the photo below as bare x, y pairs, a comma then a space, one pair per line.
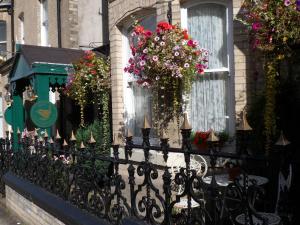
208, 102
2, 49
207, 24
2, 31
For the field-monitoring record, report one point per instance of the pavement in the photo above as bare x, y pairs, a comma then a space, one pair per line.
7, 218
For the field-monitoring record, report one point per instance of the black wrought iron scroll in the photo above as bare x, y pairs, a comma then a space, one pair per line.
115, 187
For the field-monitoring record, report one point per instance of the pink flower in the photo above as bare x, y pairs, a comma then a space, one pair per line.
256, 26
287, 2
155, 58
143, 63
145, 51
191, 43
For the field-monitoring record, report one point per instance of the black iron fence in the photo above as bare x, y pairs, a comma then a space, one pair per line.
173, 192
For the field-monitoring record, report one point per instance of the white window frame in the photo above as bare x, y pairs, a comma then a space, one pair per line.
22, 34
230, 54
44, 23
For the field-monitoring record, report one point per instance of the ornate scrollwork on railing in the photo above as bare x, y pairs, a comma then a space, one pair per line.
127, 188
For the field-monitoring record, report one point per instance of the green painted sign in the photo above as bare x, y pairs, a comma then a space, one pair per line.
43, 114
8, 115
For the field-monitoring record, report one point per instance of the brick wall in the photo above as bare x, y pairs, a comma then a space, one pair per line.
30, 213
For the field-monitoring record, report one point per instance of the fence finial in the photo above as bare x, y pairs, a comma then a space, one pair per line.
282, 141
41, 139
212, 137
51, 141
185, 125
244, 125
116, 140
163, 135
146, 124
46, 134
57, 135
82, 145
65, 144
35, 132
92, 139
73, 138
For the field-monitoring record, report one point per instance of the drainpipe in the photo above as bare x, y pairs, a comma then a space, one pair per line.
169, 13
59, 23
11, 12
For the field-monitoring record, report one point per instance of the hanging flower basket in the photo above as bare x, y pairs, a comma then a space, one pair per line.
90, 83
274, 28
167, 61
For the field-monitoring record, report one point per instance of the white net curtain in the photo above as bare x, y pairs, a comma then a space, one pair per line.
207, 23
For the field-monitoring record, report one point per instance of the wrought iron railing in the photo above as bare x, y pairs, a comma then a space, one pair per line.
111, 187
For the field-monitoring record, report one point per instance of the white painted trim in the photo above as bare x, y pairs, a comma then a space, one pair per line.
224, 69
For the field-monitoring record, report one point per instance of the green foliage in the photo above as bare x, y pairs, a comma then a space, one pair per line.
98, 129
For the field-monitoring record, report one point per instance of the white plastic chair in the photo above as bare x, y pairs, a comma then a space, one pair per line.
197, 163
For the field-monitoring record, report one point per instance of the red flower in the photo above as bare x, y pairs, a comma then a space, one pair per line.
139, 29
197, 52
89, 64
93, 72
88, 55
185, 35
148, 33
164, 26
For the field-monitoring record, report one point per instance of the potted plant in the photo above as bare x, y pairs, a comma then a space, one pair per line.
199, 139
167, 61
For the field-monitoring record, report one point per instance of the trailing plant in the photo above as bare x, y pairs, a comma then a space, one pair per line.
274, 28
167, 61
102, 146
90, 84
